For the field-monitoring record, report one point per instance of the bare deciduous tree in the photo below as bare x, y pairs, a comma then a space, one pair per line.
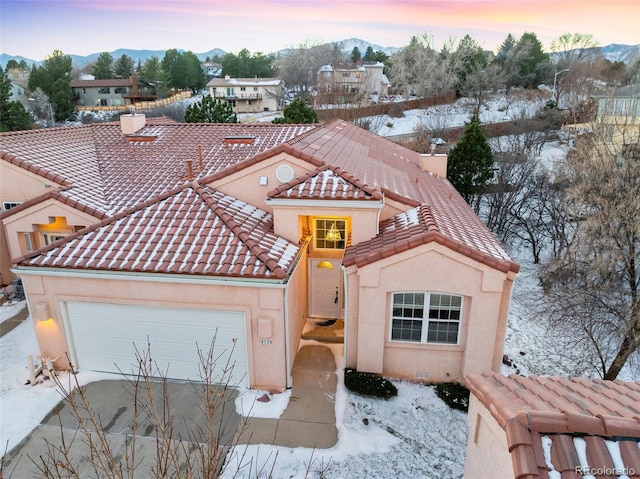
198, 452
593, 287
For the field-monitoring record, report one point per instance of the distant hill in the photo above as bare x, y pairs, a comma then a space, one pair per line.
137, 55
624, 53
347, 46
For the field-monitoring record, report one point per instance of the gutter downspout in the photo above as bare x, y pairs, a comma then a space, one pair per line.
346, 316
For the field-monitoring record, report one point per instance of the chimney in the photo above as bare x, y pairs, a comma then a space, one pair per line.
132, 122
435, 163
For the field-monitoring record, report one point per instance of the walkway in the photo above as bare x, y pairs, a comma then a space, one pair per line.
310, 419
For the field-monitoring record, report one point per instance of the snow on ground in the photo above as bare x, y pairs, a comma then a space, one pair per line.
23, 406
412, 435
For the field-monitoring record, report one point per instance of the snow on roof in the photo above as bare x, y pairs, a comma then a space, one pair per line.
194, 230
244, 82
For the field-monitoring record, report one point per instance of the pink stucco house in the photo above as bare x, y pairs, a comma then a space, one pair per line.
151, 230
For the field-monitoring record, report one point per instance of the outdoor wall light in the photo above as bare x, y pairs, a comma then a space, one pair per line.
325, 264
41, 312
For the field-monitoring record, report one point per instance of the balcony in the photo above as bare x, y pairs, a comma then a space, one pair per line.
237, 96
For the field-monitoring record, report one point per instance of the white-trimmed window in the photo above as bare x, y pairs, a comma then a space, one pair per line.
7, 205
330, 233
28, 242
426, 318
51, 237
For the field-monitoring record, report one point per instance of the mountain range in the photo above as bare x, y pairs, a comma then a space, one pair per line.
615, 52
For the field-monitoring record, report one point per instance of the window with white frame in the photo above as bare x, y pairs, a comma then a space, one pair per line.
51, 237
7, 205
426, 318
28, 241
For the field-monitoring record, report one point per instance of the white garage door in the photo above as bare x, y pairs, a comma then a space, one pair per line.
102, 338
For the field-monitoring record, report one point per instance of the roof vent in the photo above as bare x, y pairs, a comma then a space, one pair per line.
285, 173
246, 139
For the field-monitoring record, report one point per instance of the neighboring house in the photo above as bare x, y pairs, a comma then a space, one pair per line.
173, 232
350, 84
211, 69
549, 427
17, 93
112, 92
617, 117
248, 95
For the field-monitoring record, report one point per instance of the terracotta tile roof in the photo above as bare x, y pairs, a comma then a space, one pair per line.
556, 427
105, 171
191, 230
326, 183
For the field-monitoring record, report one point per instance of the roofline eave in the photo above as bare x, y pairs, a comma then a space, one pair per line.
277, 283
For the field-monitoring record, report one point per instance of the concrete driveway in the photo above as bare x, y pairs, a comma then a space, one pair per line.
113, 406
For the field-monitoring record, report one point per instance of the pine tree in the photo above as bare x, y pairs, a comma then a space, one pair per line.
123, 67
355, 55
103, 68
470, 161
210, 110
13, 116
298, 112
53, 77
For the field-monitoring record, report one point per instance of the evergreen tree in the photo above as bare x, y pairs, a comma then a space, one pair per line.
53, 77
298, 112
505, 49
470, 161
13, 116
183, 70
247, 65
123, 67
369, 55
535, 67
355, 55
210, 110
103, 68
151, 72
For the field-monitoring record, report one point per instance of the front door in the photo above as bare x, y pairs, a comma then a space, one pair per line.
324, 278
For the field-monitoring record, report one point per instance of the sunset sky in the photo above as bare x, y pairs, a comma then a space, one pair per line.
35, 28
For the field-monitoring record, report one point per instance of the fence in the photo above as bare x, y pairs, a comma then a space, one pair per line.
350, 113
140, 106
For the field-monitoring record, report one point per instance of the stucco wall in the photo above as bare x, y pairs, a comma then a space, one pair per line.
266, 362
42, 214
245, 184
298, 305
487, 451
17, 185
429, 268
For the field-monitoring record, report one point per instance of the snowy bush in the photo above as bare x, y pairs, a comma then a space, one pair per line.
455, 395
368, 384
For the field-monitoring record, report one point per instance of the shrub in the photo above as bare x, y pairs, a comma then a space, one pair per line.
368, 384
455, 395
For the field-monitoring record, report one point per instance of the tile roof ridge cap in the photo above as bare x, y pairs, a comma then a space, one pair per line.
27, 204
399, 198
427, 219
237, 229
484, 388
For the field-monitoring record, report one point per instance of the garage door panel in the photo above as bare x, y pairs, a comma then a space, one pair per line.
103, 338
